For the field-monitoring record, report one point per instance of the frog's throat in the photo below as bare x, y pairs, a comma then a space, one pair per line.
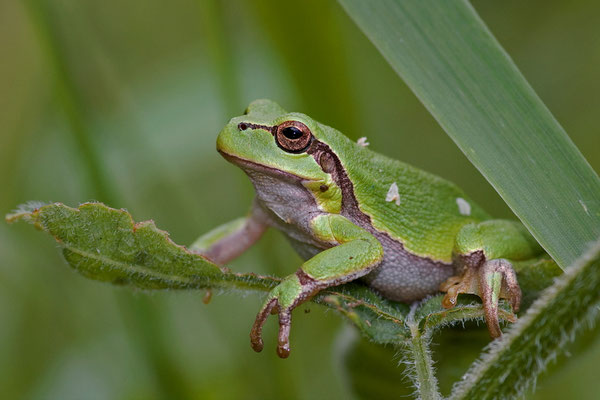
330, 163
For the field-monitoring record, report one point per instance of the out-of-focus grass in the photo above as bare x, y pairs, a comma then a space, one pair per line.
154, 93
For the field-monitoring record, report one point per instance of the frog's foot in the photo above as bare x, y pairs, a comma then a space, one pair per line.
288, 295
491, 281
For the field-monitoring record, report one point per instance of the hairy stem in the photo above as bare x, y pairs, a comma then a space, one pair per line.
418, 361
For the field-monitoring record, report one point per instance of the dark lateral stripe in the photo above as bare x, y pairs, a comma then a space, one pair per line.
247, 125
340, 177
350, 208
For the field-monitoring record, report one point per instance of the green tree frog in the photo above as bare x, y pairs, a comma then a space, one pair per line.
352, 213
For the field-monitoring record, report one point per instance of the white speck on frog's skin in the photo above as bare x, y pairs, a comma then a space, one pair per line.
362, 141
392, 194
463, 206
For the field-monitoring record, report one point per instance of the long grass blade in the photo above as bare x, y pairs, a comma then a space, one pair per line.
451, 61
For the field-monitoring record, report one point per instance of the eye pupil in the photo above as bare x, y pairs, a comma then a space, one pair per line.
292, 133
292, 136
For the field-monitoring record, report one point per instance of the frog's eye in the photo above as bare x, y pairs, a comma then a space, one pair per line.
293, 136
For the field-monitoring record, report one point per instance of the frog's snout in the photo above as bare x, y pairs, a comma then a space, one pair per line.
225, 138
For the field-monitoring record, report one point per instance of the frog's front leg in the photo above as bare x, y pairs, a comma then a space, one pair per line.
228, 241
484, 253
355, 253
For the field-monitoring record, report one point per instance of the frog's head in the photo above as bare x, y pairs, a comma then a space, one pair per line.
267, 140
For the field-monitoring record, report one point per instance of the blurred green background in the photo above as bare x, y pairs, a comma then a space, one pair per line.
143, 88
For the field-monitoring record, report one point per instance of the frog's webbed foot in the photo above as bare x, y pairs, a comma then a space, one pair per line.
490, 280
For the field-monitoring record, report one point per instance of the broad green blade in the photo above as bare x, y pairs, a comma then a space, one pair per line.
450, 60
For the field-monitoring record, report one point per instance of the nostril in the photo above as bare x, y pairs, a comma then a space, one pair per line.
242, 126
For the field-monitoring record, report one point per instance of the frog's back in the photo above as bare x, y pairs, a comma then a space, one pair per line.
427, 212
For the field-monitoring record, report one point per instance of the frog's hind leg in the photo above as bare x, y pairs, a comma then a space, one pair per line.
491, 280
497, 279
483, 252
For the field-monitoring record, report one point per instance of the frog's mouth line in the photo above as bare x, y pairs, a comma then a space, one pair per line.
251, 165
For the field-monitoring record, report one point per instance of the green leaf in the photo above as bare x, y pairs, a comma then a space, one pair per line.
105, 244
450, 60
512, 363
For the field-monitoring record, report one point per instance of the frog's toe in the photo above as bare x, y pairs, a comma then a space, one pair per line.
449, 283
281, 301
452, 292
256, 333
498, 279
285, 324
491, 281
283, 340
467, 283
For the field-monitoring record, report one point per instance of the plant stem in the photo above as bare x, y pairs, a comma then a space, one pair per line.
419, 361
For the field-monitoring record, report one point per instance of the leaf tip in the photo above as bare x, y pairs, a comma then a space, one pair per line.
26, 211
